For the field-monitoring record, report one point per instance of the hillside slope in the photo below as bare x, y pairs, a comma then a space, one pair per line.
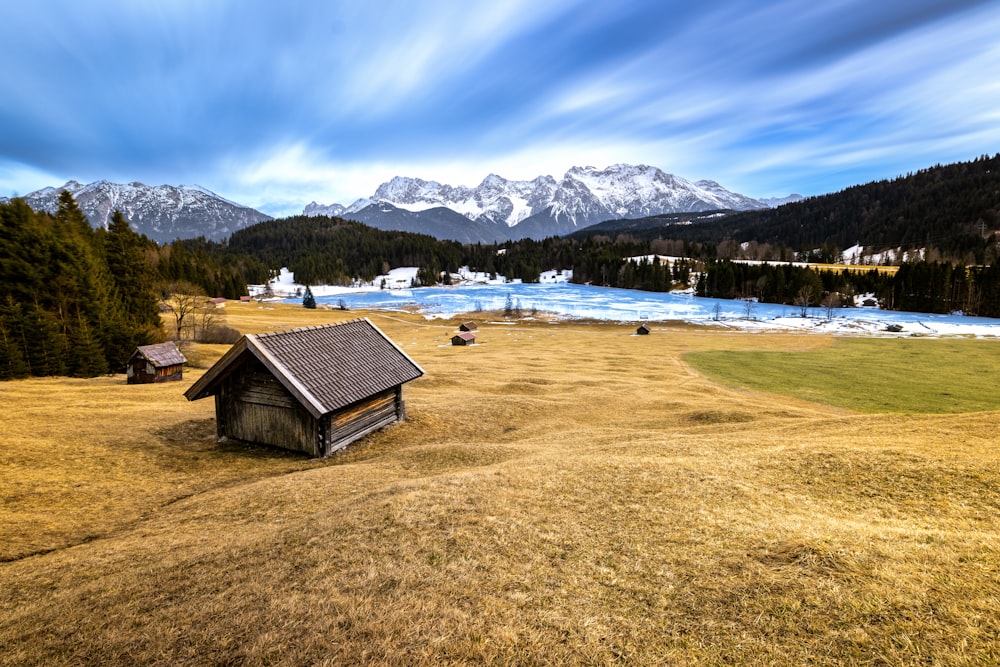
530, 516
954, 209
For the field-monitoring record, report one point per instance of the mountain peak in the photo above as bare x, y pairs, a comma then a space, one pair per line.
493, 180
163, 212
544, 206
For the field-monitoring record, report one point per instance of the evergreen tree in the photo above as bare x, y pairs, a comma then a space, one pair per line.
46, 346
83, 286
12, 361
131, 271
25, 245
87, 352
308, 300
135, 319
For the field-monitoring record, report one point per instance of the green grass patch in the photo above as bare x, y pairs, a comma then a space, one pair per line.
870, 375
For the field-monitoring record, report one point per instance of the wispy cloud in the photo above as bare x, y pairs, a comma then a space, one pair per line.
279, 104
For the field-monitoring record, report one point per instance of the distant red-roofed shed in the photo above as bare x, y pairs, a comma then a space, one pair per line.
162, 362
464, 338
314, 389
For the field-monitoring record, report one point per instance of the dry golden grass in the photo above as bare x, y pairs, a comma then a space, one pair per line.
561, 494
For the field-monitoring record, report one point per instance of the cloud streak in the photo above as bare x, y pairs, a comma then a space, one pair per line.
278, 104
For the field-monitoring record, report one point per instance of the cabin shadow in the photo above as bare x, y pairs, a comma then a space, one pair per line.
200, 436
253, 450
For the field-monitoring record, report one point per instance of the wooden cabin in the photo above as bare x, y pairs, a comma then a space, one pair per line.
314, 389
464, 338
467, 326
162, 362
643, 329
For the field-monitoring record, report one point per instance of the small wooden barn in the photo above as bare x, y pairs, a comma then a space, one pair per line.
643, 329
314, 389
464, 338
162, 362
467, 326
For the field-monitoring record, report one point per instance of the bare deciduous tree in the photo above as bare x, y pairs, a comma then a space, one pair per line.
830, 301
183, 299
804, 298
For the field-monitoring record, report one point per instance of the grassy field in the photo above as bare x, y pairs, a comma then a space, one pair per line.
916, 375
562, 493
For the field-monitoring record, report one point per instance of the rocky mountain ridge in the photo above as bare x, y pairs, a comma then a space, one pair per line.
542, 206
161, 212
496, 210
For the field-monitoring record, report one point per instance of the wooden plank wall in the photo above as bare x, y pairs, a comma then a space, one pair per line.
358, 420
170, 373
259, 409
143, 372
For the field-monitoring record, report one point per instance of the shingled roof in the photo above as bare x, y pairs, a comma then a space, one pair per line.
325, 367
161, 354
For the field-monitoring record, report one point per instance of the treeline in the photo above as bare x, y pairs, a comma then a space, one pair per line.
322, 250
333, 251
73, 300
940, 287
213, 267
923, 287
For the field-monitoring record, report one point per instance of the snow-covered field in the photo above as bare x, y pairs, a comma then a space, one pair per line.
555, 297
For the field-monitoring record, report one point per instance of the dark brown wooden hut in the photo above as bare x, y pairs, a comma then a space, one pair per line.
314, 390
162, 362
643, 329
467, 326
464, 338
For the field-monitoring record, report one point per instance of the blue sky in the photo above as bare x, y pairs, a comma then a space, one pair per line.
277, 104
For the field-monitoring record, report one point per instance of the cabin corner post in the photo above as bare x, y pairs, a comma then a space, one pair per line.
322, 431
220, 416
400, 404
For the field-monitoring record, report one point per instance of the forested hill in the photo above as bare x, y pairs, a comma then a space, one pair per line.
333, 251
953, 209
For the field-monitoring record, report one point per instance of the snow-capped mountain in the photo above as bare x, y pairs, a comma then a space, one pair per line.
496, 201
162, 212
546, 207
332, 210
775, 202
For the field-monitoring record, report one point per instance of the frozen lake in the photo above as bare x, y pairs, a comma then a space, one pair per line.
567, 300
